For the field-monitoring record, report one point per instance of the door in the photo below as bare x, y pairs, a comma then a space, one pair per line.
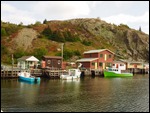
95, 65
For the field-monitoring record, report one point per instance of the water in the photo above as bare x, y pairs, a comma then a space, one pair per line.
129, 94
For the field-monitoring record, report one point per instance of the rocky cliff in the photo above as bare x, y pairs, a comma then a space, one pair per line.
124, 41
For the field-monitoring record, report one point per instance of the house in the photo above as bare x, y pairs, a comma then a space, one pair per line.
53, 62
97, 59
133, 64
26, 62
120, 65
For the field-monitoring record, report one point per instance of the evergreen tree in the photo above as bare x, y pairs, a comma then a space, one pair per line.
45, 21
140, 28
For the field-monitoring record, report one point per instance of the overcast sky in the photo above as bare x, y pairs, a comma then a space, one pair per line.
132, 13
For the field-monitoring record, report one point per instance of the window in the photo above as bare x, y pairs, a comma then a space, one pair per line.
48, 61
90, 55
58, 61
101, 64
121, 64
109, 56
101, 55
108, 64
93, 63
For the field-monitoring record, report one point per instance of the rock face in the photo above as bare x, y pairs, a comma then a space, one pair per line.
122, 40
25, 37
129, 43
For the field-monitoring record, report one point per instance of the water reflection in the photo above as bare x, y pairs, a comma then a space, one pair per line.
27, 82
82, 95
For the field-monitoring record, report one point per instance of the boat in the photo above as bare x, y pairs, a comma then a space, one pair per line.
115, 72
26, 76
72, 74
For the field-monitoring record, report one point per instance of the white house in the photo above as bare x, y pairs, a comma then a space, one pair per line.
120, 65
27, 62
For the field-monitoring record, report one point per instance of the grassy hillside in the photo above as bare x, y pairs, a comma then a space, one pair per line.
78, 35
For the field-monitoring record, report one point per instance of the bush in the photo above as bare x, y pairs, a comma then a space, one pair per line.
87, 43
39, 52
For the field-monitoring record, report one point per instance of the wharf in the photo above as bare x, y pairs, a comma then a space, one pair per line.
52, 73
13, 73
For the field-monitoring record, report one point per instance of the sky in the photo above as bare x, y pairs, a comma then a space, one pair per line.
135, 14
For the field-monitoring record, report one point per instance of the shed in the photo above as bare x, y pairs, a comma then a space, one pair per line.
26, 62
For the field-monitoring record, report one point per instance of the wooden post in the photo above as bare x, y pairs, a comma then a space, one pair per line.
12, 64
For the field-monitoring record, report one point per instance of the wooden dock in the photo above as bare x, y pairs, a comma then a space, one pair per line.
9, 73
52, 73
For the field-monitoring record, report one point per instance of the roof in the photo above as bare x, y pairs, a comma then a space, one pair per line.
56, 57
27, 58
118, 61
97, 51
86, 59
129, 61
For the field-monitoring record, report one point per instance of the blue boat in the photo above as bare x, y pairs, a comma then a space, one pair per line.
26, 76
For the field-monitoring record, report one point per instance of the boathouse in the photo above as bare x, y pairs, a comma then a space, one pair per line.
97, 59
119, 64
26, 62
52, 62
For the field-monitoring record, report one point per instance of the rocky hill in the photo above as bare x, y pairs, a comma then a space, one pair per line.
78, 35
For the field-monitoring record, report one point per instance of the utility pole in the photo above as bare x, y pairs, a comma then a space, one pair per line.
12, 63
62, 52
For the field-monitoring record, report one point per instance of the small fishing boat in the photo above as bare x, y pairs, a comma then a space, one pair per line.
115, 72
72, 74
26, 76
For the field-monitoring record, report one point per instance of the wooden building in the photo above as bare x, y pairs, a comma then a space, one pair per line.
27, 62
52, 62
97, 59
120, 65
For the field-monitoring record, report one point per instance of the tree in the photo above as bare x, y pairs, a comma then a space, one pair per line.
47, 32
37, 23
140, 29
3, 32
45, 21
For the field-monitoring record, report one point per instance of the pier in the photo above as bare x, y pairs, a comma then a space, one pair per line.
13, 73
54, 73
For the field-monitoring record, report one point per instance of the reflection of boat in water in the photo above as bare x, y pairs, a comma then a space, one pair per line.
72, 74
27, 82
26, 76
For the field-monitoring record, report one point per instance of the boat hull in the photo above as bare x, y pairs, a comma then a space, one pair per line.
30, 79
113, 74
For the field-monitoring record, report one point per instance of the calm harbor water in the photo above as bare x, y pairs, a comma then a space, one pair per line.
129, 94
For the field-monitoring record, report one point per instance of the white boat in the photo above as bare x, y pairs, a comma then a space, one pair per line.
72, 74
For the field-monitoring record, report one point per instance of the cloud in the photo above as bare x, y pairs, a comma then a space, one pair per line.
123, 18
141, 20
14, 15
30, 12
61, 9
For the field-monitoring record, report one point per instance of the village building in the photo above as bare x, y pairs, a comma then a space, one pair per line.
97, 59
27, 62
120, 65
51, 62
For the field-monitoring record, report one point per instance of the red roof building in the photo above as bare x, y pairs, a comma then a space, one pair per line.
97, 59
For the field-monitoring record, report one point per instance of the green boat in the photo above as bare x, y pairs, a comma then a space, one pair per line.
114, 72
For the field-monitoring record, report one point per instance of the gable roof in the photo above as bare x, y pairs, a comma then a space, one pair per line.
27, 58
97, 51
86, 59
